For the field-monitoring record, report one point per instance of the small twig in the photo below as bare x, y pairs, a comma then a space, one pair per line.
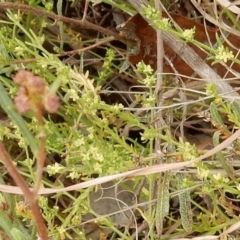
158, 89
143, 226
41, 152
159, 123
98, 43
29, 196
85, 10
82, 23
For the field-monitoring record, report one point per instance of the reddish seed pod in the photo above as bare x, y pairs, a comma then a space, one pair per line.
51, 102
34, 94
22, 103
22, 77
37, 85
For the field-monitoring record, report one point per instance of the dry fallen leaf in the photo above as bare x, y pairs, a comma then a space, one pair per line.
146, 35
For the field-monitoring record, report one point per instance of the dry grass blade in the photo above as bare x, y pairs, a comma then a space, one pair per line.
100, 180
137, 172
199, 238
215, 22
230, 6
233, 228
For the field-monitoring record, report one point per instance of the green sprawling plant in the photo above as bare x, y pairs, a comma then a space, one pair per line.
91, 135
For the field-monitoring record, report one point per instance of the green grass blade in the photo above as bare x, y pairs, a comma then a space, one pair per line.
162, 205
5, 223
220, 156
217, 118
185, 205
17, 234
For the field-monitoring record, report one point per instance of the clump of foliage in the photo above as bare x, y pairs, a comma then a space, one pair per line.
68, 123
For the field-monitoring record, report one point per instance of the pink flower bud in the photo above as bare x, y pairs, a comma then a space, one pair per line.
36, 85
51, 102
22, 77
22, 103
